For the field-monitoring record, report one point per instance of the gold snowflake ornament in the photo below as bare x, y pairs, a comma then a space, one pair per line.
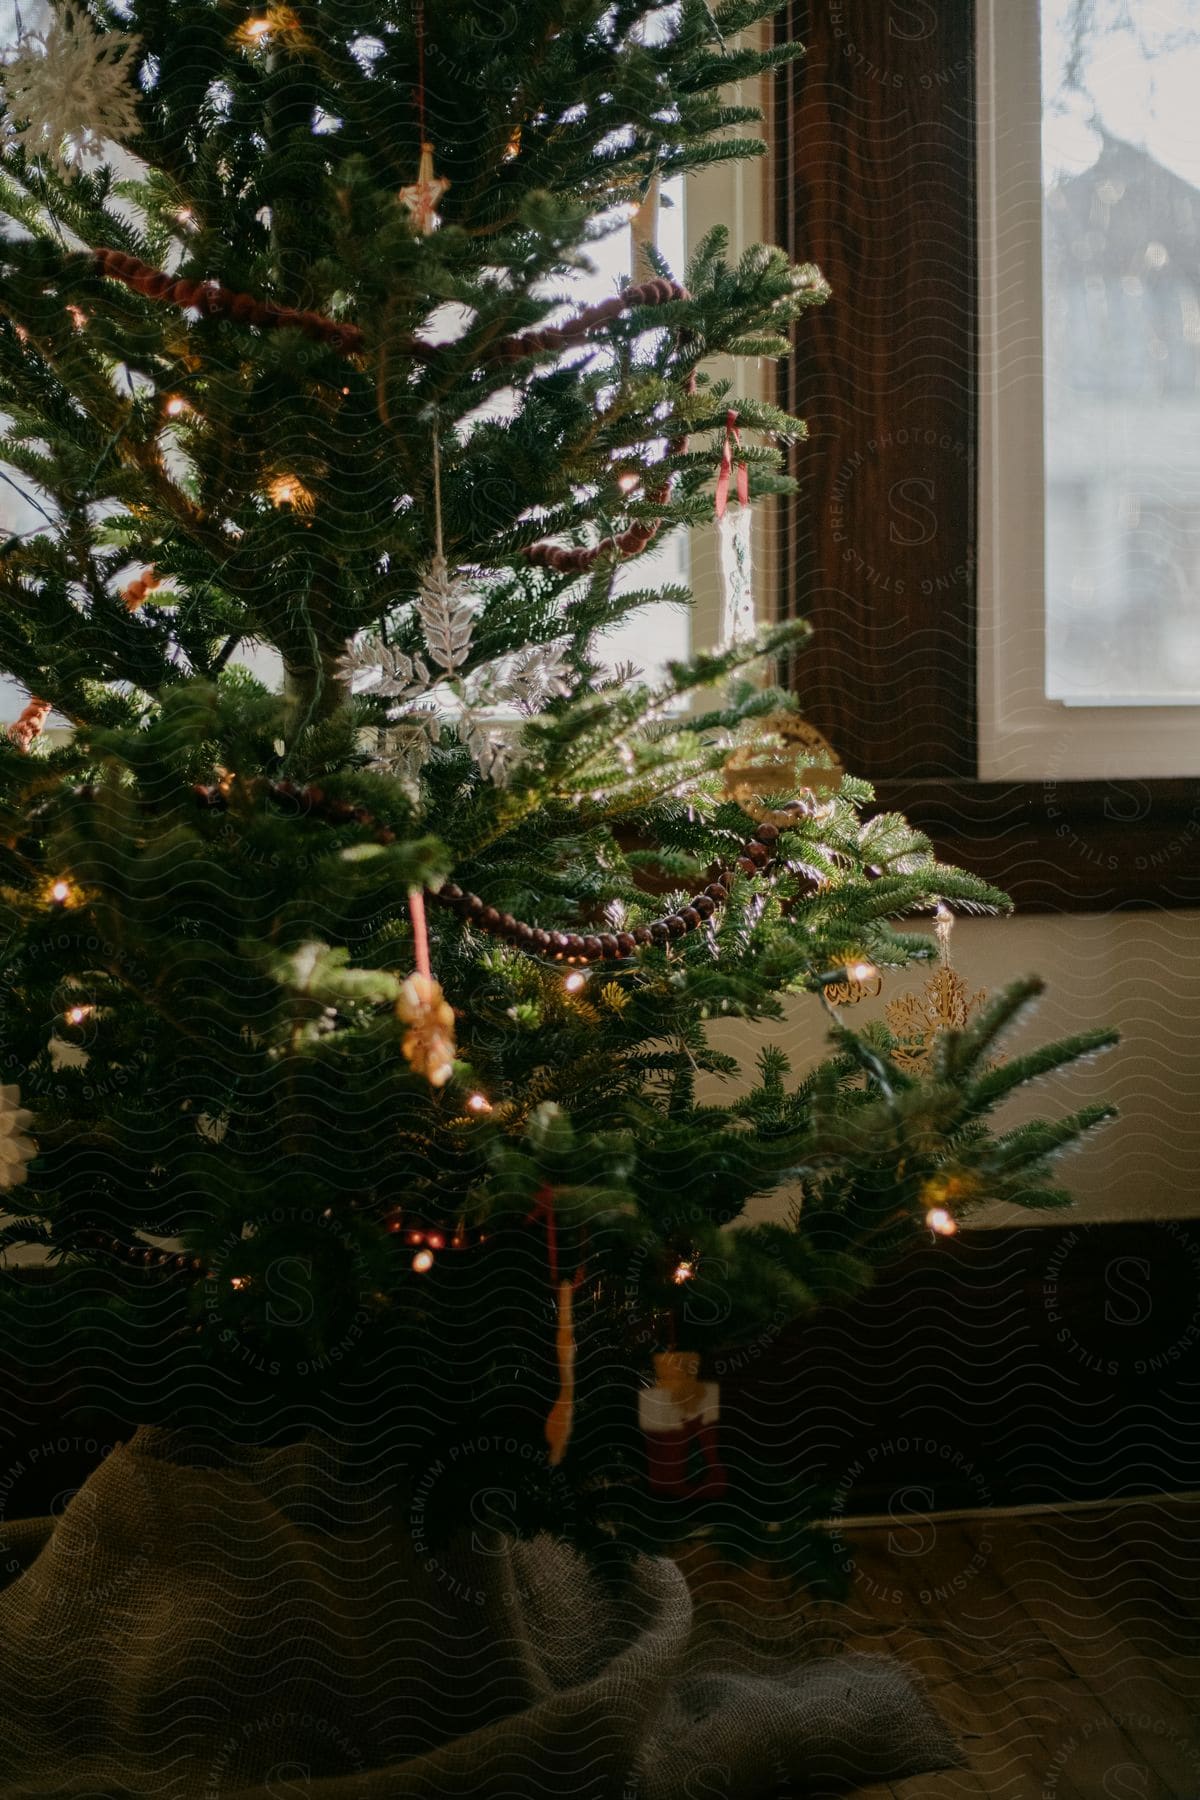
916, 1021
67, 90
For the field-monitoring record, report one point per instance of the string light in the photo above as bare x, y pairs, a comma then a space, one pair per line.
941, 1222
479, 1103
289, 490
176, 406
61, 892
861, 971
628, 481
277, 21
77, 1015
422, 1262
574, 981
684, 1271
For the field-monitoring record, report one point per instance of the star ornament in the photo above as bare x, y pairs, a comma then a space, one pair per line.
67, 91
420, 198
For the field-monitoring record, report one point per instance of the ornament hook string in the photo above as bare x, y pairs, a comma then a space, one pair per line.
419, 95
437, 492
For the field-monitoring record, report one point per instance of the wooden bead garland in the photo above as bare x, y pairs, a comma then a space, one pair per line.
135, 591
30, 724
212, 300
755, 858
148, 1256
209, 298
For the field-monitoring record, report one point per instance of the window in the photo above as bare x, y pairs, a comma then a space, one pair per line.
1089, 521
997, 533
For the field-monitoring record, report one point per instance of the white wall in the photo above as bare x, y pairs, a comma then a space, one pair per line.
1137, 971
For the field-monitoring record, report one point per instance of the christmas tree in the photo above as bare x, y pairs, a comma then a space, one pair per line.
362, 1028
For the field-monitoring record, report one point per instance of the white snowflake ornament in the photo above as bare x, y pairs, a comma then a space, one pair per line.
485, 705
67, 90
15, 1148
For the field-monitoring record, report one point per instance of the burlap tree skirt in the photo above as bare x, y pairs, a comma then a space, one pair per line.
257, 1627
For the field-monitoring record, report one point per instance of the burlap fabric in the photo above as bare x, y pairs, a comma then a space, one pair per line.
262, 1628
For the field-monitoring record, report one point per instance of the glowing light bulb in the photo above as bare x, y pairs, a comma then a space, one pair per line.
289, 490
256, 31
422, 1262
862, 971
75, 1015
628, 481
941, 1222
176, 406
184, 215
479, 1103
238, 1281
684, 1271
60, 891
574, 981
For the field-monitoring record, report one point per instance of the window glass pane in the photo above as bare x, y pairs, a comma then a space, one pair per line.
1121, 258
654, 635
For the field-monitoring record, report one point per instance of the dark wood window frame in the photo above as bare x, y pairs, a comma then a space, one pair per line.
875, 180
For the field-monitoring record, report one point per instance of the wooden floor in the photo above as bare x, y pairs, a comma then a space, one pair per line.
1062, 1648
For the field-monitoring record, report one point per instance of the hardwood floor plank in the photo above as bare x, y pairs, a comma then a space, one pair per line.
1062, 1649
1049, 1644
1080, 1598
998, 1692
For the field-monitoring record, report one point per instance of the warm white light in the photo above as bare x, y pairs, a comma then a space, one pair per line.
574, 981
422, 1262
185, 215
941, 1222
60, 893
255, 30
479, 1103
862, 971
289, 490
176, 406
684, 1271
75, 1015
238, 1281
628, 482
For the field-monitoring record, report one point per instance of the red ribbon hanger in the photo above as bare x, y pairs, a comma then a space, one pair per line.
732, 437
